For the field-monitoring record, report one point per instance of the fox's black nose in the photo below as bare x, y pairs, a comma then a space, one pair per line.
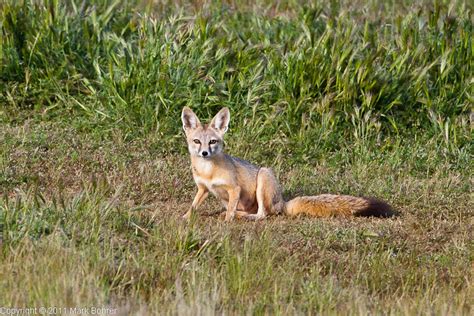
204, 153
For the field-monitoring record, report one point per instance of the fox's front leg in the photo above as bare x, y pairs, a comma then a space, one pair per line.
234, 197
201, 195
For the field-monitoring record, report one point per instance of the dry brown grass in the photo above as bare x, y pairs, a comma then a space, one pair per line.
97, 222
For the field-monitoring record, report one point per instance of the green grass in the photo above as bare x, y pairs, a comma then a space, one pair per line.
362, 98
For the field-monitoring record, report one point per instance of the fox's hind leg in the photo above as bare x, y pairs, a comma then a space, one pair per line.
268, 195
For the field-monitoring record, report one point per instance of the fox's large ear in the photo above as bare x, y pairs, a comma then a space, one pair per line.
190, 120
220, 122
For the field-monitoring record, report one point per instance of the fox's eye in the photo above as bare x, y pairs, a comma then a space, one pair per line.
212, 142
196, 141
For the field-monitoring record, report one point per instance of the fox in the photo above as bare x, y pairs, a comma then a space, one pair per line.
250, 192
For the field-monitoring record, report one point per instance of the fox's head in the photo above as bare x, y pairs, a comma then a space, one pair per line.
205, 140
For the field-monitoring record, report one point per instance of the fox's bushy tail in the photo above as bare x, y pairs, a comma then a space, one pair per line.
328, 205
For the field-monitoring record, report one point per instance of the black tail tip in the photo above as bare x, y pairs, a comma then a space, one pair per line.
377, 208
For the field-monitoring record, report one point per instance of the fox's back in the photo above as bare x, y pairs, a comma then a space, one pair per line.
244, 169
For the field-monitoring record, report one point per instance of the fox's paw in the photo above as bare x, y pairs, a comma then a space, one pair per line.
255, 217
229, 216
187, 216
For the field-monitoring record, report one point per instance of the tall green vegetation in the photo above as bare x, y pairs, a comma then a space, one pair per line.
317, 75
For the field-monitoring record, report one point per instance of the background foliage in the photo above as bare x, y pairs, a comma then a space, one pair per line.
317, 74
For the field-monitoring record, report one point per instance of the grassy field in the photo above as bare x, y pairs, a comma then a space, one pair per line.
357, 97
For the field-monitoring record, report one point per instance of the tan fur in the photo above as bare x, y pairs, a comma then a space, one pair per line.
326, 205
245, 190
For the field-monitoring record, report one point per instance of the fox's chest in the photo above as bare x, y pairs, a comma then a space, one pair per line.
209, 182
204, 168
218, 187
209, 175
